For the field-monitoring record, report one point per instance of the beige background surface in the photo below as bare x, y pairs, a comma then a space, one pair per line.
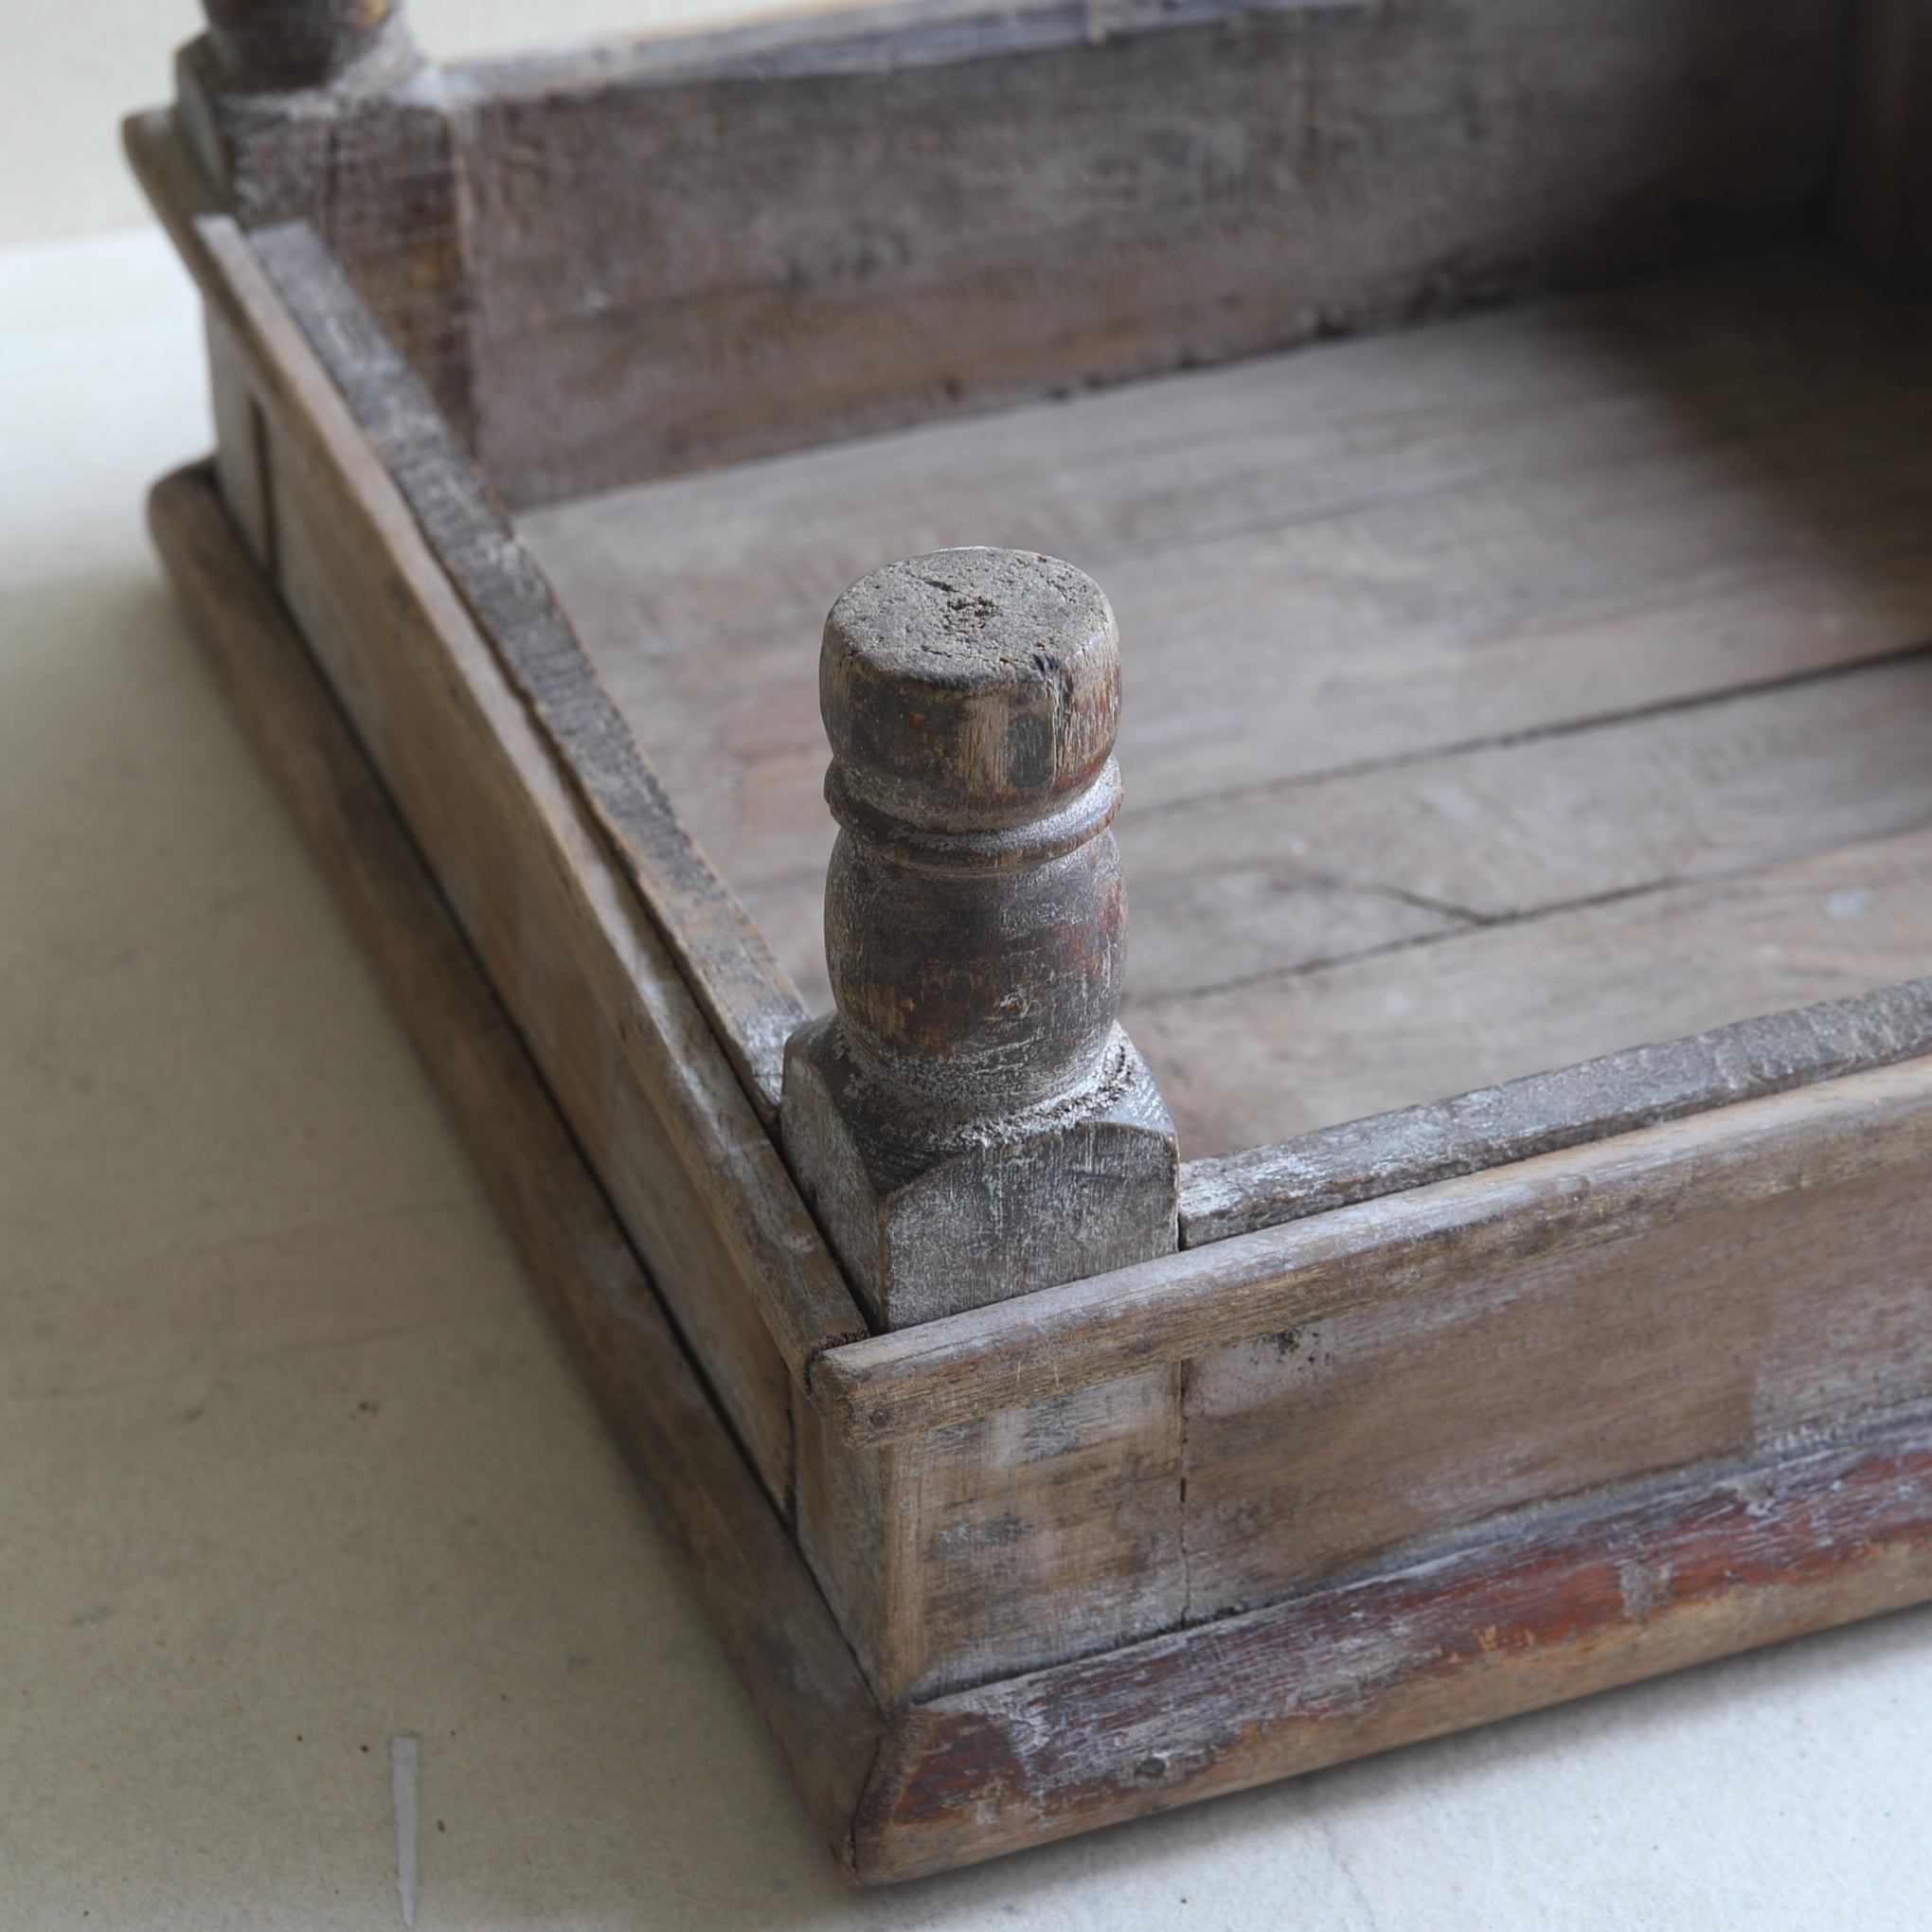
289, 1464
72, 67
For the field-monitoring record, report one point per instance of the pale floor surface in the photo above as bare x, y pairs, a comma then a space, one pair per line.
289, 1464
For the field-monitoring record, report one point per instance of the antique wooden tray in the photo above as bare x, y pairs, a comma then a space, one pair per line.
1495, 1261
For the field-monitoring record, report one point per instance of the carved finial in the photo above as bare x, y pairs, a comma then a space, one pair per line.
267, 46
973, 1122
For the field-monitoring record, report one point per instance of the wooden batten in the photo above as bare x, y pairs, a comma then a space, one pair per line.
1605, 1593
1644, 1086
1420, 1244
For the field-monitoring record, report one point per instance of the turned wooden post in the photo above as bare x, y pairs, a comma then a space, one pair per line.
326, 111
973, 1122
277, 46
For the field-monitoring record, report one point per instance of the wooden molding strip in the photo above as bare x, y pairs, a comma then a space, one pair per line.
1598, 1595
1645, 1086
1420, 1241
761, 1598
745, 994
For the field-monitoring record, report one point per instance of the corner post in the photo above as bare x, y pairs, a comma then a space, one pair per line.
326, 111
972, 1123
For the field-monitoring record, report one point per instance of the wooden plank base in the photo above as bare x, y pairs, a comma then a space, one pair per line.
1499, 695
1529, 1612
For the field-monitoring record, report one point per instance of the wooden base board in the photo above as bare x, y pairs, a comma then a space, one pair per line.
1554, 1605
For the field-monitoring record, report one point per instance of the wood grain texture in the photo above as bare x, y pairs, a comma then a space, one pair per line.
760, 1600
1420, 1244
344, 125
1593, 1597
1427, 710
1327, 1445
645, 1084
1043, 1532
1642, 1086
724, 958
1882, 199
681, 261
1495, 1003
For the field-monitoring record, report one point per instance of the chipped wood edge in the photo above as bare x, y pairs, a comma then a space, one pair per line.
1420, 1241
1553, 1607
1644, 1086
734, 1169
760, 1596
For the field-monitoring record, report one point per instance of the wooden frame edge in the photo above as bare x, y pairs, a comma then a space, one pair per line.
802, 1298
762, 1599
1399, 1245
1554, 1607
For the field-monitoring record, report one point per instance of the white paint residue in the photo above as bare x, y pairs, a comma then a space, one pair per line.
403, 1796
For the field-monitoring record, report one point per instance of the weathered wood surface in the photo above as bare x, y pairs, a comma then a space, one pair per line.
1430, 712
1640, 1088
330, 114
971, 1122
627, 1050
1041, 1533
1589, 1598
1549, 1605
725, 959
1415, 1245
1500, 1002
1882, 199
689, 255
1321, 1448
762, 1601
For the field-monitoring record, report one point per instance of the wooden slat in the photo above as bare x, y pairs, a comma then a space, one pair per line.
758, 1597
1418, 1244
1696, 371
1274, 1058
741, 987
1325, 1447
1643, 1086
1593, 1598
681, 262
